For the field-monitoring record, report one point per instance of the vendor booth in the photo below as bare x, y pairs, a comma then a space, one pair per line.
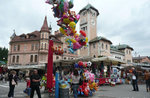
104, 66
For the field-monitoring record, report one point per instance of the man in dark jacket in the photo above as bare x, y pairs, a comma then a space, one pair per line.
35, 83
135, 80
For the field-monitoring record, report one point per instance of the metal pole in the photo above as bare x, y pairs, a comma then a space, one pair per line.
56, 85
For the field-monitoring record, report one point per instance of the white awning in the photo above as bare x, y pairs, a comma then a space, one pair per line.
26, 66
112, 60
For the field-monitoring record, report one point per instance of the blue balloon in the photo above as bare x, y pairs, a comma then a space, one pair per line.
78, 92
76, 65
71, 50
82, 93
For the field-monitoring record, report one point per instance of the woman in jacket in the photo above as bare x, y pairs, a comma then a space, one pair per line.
147, 80
75, 82
12, 82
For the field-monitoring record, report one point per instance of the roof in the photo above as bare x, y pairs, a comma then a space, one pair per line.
123, 46
140, 57
114, 49
87, 7
45, 28
20, 38
98, 38
59, 35
55, 39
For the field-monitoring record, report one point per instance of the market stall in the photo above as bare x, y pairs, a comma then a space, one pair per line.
105, 69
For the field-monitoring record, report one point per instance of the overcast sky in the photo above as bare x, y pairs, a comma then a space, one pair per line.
121, 21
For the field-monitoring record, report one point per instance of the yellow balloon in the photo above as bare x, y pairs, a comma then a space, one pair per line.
86, 39
62, 31
76, 35
73, 41
66, 20
72, 25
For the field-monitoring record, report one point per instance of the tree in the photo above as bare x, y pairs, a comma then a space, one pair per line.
3, 54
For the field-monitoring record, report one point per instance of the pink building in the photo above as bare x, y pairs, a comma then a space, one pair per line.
32, 48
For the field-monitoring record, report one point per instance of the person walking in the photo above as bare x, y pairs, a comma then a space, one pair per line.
75, 82
12, 82
134, 80
147, 80
35, 83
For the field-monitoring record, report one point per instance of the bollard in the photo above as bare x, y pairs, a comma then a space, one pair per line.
56, 85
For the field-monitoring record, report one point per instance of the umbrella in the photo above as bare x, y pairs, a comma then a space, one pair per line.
112, 60
2, 63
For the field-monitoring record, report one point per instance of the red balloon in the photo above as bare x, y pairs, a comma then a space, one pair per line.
80, 63
86, 92
82, 43
83, 33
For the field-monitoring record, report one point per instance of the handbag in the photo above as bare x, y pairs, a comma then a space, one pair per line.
13, 82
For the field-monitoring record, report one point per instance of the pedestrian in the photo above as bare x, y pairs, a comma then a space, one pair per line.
147, 80
75, 82
12, 82
27, 89
135, 80
35, 84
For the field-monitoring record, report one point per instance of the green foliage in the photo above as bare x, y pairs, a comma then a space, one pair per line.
3, 54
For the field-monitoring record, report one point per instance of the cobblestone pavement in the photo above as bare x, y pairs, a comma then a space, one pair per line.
119, 91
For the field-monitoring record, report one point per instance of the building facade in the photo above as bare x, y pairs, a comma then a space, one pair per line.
88, 23
100, 46
141, 59
32, 48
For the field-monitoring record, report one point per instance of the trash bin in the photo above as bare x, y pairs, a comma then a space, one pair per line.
63, 92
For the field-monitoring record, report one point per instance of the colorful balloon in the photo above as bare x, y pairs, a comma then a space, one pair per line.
67, 22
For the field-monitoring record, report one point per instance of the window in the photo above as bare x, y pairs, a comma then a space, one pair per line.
84, 13
35, 59
13, 59
31, 58
32, 47
106, 47
17, 59
42, 46
45, 46
93, 14
129, 52
86, 28
42, 35
25, 47
57, 57
65, 58
36, 46
128, 61
15, 47
126, 51
45, 35
94, 56
18, 47
32, 36
93, 45
102, 46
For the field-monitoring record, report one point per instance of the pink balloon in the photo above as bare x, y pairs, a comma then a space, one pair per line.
77, 39
76, 45
78, 16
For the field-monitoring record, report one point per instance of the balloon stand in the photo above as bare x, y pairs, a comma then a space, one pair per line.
90, 85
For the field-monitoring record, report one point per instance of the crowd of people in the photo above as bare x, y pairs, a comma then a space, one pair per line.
34, 80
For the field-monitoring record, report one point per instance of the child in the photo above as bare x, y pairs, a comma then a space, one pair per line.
28, 89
